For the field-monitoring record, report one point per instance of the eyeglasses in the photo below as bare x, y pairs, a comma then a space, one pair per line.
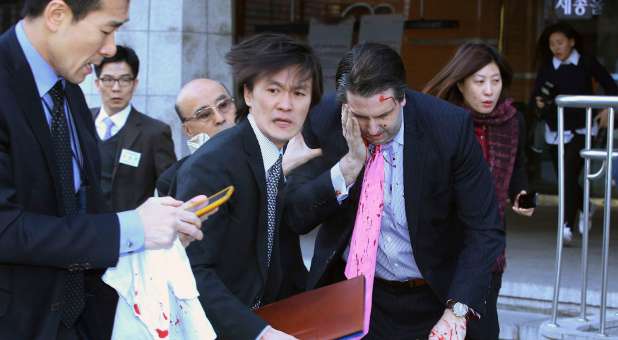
124, 81
224, 106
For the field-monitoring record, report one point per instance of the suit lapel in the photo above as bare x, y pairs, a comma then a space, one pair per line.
415, 151
32, 108
256, 163
131, 130
128, 135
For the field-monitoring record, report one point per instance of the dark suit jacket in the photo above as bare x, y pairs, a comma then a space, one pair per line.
230, 263
37, 244
166, 183
131, 186
451, 209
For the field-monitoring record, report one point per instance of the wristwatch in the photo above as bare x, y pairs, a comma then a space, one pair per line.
460, 310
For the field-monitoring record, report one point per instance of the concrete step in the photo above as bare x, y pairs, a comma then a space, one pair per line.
529, 319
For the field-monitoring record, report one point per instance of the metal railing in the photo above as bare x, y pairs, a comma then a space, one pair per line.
589, 154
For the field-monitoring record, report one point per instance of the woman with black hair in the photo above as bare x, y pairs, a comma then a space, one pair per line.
564, 70
476, 79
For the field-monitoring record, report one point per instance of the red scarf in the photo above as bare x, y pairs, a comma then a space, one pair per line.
502, 139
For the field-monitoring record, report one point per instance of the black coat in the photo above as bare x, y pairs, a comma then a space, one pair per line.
230, 263
37, 244
571, 80
131, 186
451, 209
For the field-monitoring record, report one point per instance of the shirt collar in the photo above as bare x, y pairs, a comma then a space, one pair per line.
572, 59
270, 152
119, 119
44, 75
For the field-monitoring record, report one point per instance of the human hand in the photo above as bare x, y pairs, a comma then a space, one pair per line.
164, 218
352, 163
200, 200
273, 334
449, 327
521, 211
602, 118
297, 153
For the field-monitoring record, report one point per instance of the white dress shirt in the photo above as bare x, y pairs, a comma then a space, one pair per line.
119, 120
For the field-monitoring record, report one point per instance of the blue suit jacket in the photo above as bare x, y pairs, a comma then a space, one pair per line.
451, 209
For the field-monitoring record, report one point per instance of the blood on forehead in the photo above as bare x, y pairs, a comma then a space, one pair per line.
385, 98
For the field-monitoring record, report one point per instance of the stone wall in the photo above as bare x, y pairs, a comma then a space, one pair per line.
176, 41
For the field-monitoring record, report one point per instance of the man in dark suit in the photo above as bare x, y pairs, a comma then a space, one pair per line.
438, 229
134, 148
244, 261
53, 238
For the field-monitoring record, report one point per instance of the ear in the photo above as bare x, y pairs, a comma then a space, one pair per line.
248, 94
460, 86
55, 14
135, 83
186, 130
572, 42
97, 84
403, 101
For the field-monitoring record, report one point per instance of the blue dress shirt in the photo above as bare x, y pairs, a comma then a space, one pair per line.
131, 228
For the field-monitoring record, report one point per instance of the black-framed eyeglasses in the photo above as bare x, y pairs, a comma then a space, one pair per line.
123, 81
224, 106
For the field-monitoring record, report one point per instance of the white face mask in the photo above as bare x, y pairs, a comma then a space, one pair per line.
196, 141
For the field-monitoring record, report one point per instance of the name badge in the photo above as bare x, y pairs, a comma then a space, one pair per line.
130, 158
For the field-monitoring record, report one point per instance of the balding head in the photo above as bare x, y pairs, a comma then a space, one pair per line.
205, 106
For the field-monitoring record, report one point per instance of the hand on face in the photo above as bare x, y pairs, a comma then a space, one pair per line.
352, 163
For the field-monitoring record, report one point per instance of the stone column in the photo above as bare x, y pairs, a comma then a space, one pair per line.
176, 41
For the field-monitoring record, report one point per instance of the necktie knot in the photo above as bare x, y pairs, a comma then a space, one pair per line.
57, 93
109, 124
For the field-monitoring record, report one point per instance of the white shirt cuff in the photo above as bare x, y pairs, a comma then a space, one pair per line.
336, 177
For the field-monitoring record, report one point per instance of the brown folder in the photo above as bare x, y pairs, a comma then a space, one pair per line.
330, 312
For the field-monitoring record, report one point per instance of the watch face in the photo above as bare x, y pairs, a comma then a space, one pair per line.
460, 310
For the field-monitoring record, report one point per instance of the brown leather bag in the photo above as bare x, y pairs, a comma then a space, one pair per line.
330, 312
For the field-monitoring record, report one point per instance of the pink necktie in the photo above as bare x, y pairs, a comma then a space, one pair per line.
366, 234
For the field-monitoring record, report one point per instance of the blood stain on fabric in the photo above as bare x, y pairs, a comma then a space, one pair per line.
162, 333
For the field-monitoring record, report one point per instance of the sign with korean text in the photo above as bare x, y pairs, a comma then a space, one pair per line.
577, 9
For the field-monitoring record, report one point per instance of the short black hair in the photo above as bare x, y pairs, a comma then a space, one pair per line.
369, 68
266, 54
123, 53
80, 8
543, 52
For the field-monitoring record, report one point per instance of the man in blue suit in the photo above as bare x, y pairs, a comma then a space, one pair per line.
54, 243
439, 230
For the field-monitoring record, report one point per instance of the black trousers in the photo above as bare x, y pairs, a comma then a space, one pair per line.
403, 313
488, 326
573, 163
411, 313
